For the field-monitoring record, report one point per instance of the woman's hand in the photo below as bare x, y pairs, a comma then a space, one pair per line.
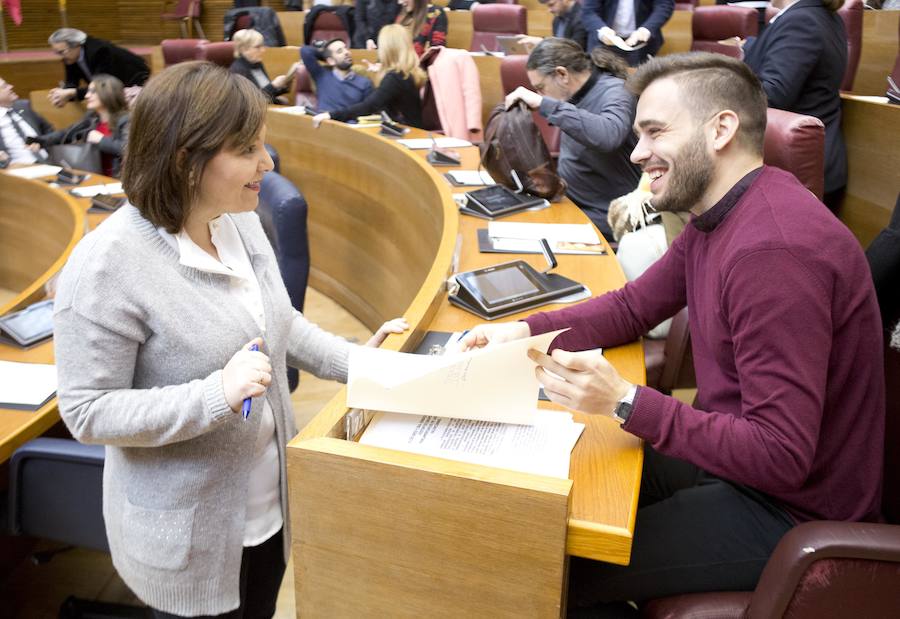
494, 333
529, 98
94, 137
246, 375
397, 325
318, 118
60, 96
372, 67
280, 81
370, 44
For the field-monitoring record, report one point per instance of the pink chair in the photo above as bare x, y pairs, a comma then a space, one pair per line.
181, 50
490, 20
186, 11
711, 24
513, 75
852, 14
221, 53
796, 143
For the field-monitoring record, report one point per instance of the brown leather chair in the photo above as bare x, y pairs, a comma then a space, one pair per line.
490, 20
303, 86
852, 14
329, 26
185, 12
513, 75
181, 50
221, 53
711, 24
838, 570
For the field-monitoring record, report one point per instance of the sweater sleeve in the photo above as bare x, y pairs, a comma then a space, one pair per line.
376, 101
96, 366
311, 62
315, 350
604, 129
780, 322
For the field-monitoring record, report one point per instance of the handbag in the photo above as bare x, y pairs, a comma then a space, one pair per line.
82, 156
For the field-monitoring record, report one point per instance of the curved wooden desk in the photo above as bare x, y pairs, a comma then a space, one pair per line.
382, 232
30, 255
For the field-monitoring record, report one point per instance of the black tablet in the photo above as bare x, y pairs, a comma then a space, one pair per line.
498, 200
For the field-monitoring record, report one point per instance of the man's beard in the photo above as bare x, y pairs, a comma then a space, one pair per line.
344, 66
690, 176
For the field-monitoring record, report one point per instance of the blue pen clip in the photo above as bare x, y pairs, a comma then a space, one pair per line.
245, 407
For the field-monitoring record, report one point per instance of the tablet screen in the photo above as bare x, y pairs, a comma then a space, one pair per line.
33, 323
496, 198
501, 285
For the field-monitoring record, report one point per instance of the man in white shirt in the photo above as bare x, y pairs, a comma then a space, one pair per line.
627, 24
18, 123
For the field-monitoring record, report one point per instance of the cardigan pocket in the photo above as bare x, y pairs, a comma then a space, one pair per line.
159, 538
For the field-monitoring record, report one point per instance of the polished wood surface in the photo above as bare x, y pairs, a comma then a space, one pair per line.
879, 51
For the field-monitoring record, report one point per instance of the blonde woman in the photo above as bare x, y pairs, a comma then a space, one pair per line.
248, 54
398, 93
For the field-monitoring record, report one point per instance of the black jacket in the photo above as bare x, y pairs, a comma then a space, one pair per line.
370, 16
111, 145
265, 22
884, 260
649, 14
800, 60
244, 67
103, 57
395, 95
573, 26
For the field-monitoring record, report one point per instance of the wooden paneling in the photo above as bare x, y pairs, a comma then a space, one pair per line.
879, 50
41, 17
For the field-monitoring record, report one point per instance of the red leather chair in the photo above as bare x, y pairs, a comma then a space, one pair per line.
852, 14
329, 26
186, 11
489, 20
305, 95
711, 24
513, 75
221, 53
181, 50
839, 570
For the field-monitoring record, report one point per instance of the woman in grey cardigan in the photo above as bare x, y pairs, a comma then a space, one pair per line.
157, 314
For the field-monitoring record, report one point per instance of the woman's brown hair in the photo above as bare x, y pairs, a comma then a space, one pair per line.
182, 119
111, 93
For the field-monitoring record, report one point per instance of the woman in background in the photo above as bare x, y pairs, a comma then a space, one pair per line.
105, 125
248, 53
370, 17
427, 24
398, 92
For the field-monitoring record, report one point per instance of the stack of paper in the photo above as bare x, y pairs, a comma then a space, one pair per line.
26, 385
423, 143
470, 178
35, 171
541, 449
95, 190
563, 238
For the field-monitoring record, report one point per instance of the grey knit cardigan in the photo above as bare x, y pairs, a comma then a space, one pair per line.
141, 341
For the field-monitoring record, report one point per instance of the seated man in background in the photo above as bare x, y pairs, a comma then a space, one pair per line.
637, 23
786, 339
567, 23
85, 56
18, 122
584, 95
337, 85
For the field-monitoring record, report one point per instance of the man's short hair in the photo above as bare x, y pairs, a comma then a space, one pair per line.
326, 53
183, 117
710, 83
70, 36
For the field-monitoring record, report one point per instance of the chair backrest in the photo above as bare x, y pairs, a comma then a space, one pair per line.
243, 22
890, 497
329, 26
678, 367
711, 24
188, 8
796, 143
852, 14
304, 85
489, 20
181, 50
221, 53
512, 75
686, 6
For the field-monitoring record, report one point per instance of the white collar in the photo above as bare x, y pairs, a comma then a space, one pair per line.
782, 11
233, 259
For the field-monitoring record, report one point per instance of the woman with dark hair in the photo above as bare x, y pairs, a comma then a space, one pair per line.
426, 22
370, 17
585, 96
173, 333
105, 125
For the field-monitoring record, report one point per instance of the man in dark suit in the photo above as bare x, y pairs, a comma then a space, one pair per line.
630, 23
18, 122
800, 58
85, 56
567, 23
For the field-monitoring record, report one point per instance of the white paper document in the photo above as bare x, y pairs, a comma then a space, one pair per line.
35, 171
496, 383
26, 385
473, 178
573, 233
423, 143
96, 190
542, 449
296, 110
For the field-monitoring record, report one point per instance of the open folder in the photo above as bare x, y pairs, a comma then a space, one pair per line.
496, 383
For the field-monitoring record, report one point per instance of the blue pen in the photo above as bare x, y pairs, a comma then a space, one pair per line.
245, 408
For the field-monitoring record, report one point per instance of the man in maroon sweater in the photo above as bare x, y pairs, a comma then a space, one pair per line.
785, 329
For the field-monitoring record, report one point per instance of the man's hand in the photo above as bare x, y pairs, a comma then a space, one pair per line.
528, 42
318, 118
94, 137
494, 333
531, 99
34, 147
584, 381
607, 35
641, 35
60, 96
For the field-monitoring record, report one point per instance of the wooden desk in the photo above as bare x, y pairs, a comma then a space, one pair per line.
409, 523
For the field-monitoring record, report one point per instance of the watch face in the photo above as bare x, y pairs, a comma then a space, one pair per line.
622, 412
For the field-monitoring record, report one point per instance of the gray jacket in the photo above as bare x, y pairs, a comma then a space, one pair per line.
141, 341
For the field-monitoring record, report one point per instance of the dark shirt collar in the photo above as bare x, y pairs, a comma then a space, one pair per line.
582, 92
708, 221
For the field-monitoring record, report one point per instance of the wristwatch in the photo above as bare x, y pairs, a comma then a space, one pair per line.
623, 407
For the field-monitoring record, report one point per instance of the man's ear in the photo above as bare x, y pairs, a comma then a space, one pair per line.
726, 125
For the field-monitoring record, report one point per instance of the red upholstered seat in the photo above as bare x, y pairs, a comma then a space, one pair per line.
513, 75
181, 50
304, 86
329, 26
221, 53
185, 11
852, 14
796, 143
489, 20
711, 24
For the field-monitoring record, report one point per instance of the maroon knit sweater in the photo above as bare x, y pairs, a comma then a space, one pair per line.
787, 349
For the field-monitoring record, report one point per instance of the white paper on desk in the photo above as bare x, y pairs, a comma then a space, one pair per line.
572, 233
474, 178
95, 190
296, 110
543, 448
35, 171
423, 143
26, 384
496, 383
